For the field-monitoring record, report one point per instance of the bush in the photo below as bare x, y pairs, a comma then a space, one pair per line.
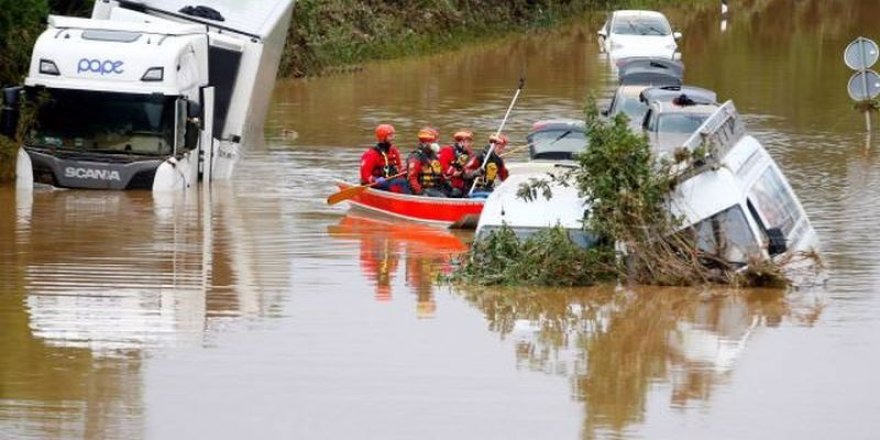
548, 258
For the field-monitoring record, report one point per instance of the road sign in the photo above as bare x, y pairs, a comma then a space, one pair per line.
861, 54
864, 85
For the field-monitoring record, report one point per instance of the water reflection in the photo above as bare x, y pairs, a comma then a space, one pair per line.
618, 346
426, 252
93, 282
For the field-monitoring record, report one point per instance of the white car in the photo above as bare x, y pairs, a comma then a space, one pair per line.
638, 34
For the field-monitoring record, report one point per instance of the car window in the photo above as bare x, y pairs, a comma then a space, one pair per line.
684, 123
641, 26
633, 108
727, 235
774, 202
558, 140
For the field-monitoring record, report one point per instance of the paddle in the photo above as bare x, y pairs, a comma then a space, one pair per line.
352, 191
522, 82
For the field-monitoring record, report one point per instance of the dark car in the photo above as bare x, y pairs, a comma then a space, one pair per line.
557, 139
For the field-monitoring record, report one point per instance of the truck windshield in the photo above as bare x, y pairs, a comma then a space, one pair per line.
102, 122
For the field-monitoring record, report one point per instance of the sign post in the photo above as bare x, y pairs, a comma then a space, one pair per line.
864, 85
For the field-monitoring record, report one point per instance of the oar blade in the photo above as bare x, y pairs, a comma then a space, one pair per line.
346, 194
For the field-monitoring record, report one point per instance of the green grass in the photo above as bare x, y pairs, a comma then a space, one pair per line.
327, 34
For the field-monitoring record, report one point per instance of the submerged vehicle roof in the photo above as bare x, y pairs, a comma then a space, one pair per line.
625, 65
566, 137
252, 17
672, 106
669, 93
566, 207
650, 77
626, 13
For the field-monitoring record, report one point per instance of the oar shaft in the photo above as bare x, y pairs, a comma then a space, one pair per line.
347, 193
500, 128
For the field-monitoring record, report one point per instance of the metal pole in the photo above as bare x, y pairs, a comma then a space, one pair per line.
522, 82
865, 81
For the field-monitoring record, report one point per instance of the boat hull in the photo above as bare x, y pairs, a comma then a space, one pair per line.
447, 212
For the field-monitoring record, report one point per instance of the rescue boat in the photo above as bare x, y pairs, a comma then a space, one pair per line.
438, 211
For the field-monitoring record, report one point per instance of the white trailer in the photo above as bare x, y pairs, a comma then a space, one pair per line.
151, 94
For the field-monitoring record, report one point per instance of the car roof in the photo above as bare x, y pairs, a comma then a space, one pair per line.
626, 13
668, 93
649, 77
671, 107
553, 150
558, 124
631, 90
629, 64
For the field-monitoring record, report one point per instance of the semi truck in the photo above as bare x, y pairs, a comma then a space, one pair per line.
154, 94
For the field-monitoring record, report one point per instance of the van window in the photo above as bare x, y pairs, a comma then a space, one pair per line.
727, 235
773, 202
684, 123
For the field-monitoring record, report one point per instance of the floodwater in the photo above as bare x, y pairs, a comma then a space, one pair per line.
256, 311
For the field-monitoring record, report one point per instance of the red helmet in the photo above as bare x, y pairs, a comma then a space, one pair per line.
428, 134
383, 131
498, 139
462, 135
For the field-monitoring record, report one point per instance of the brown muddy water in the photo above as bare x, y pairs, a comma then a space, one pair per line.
256, 311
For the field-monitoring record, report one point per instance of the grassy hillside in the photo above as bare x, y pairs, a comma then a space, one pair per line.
330, 34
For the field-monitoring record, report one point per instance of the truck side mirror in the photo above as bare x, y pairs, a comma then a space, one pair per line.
676, 35
10, 111
194, 111
776, 244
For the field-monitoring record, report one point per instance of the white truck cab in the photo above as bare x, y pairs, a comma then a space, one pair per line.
151, 95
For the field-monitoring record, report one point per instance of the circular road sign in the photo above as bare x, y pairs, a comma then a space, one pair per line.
861, 54
864, 85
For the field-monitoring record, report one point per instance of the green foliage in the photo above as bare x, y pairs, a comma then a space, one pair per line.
20, 25
329, 33
622, 184
548, 258
9, 146
21, 22
8, 149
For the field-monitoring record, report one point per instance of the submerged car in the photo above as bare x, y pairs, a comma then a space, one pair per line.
504, 208
670, 93
557, 139
669, 123
641, 70
631, 33
635, 75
